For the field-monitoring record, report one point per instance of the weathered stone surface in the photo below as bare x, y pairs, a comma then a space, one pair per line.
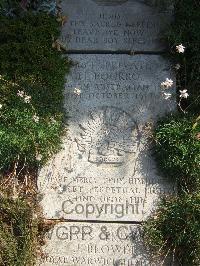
106, 169
80, 244
114, 25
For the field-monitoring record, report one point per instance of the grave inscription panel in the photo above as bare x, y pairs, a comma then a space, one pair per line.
95, 244
114, 25
106, 175
106, 170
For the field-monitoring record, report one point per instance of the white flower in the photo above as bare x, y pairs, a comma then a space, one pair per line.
77, 91
27, 99
60, 189
177, 66
167, 83
35, 216
52, 120
184, 94
167, 95
20, 94
180, 48
36, 118
38, 157
1, 106
15, 196
170, 82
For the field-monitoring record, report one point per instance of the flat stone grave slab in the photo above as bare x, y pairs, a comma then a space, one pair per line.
114, 25
80, 244
106, 170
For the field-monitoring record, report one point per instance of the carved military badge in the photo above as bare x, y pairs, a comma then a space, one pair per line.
108, 135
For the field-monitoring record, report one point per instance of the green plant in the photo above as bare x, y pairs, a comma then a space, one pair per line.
27, 57
16, 8
32, 76
21, 231
177, 150
186, 30
30, 125
174, 230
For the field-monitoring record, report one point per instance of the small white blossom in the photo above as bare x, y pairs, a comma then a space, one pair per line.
1, 106
35, 216
60, 189
77, 91
52, 120
27, 99
177, 66
20, 94
38, 157
167, 95
36, 118
184, 94
180, 48
15, 196
167, 83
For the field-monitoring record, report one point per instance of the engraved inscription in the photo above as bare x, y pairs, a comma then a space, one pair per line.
96, 244
106, 170
113, 25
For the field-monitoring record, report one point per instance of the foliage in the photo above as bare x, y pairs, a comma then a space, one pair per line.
186, 30
175, 229
13, 8
28, 63
178, 150
21, 231
33, 64
32, 76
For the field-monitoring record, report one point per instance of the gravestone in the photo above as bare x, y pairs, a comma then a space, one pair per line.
104, 182
95, 244
106, 170
114, 25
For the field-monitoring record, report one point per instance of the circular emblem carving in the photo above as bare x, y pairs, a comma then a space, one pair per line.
108, 135
110, 2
